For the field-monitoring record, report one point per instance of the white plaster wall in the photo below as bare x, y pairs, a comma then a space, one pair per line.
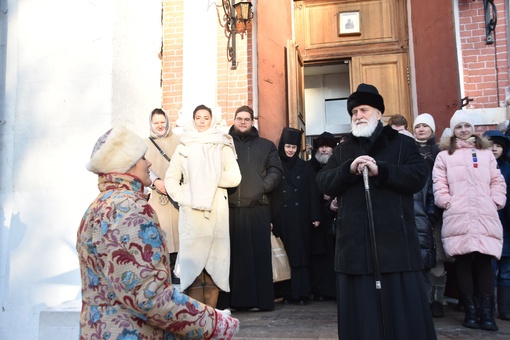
71, 69
199, 57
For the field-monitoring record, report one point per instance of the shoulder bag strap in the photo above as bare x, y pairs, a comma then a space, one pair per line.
159, 149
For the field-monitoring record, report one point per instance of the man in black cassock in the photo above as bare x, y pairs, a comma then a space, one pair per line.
396, 171
251, 276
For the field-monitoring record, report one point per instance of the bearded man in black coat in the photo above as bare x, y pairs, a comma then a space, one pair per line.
400, 309
322, 242
251, 275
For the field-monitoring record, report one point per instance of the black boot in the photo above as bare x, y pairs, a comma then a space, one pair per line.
487, 321
470, 319
504, 302
175, 279
437, 295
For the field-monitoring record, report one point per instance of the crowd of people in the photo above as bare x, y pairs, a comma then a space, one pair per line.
369, 221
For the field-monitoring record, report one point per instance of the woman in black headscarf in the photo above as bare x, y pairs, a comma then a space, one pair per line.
291, 214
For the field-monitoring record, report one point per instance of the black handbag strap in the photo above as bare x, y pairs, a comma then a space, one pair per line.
159, 149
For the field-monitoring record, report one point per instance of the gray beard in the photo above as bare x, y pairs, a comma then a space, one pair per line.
322, 158
365, 130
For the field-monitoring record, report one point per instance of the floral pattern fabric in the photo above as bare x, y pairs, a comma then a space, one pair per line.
125, 272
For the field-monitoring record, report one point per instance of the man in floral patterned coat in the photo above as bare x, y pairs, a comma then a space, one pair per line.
124, 264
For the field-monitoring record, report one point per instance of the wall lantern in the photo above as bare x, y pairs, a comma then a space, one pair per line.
237, 20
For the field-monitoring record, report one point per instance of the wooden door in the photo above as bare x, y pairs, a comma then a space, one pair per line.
389, 73
295, 87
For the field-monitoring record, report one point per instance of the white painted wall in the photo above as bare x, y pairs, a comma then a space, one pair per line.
199, 54
69, 69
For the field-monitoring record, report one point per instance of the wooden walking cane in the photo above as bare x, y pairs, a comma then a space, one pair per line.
375, 259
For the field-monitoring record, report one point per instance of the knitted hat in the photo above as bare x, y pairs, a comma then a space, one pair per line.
116, 151
365, 94
324, 139
461, 116
427, 119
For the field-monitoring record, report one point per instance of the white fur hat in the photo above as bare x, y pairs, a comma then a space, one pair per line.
461, 116
116, 151
425, 118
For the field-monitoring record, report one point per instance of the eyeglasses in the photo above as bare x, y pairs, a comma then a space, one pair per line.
246, 120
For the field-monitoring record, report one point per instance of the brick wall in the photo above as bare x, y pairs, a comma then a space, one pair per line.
234, 87
172, 59
485, 66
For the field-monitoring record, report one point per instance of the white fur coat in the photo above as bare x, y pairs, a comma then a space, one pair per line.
203, 235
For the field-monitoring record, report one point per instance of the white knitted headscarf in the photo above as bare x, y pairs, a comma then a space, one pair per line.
155, 133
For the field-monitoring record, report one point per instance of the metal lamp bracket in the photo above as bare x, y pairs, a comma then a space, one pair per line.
491, 19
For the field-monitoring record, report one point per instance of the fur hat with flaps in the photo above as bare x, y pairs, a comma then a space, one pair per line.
116, 151
461, 116
365, 94
324, 139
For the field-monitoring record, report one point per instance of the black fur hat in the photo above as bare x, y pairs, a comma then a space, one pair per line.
365, 94
324, 138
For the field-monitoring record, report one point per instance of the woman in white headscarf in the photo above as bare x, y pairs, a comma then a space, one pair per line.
161, 146
126, 288
203, 166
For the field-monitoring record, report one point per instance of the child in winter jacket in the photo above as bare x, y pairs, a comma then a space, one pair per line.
500, 146
470, 188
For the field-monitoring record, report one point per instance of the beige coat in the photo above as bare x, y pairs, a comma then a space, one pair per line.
203, 235
167, 210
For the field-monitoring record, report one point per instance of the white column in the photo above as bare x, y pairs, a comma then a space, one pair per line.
200, 55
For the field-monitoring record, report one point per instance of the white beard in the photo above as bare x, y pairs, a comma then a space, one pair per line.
322, 158
364, 130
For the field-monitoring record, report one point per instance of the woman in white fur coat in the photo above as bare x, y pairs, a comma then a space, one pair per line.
203, 166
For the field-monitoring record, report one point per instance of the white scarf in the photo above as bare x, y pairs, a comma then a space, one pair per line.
204, 162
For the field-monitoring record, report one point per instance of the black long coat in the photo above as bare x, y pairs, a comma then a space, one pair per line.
321, 238
251, 276
260, 167
290, 205
402, 172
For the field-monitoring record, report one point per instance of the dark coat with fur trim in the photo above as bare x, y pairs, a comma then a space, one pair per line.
402, 172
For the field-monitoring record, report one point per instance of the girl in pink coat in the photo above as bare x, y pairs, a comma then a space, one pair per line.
470, 188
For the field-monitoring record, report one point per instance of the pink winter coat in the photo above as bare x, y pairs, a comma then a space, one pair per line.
473, 196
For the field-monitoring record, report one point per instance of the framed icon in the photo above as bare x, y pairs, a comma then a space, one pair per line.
348, 23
